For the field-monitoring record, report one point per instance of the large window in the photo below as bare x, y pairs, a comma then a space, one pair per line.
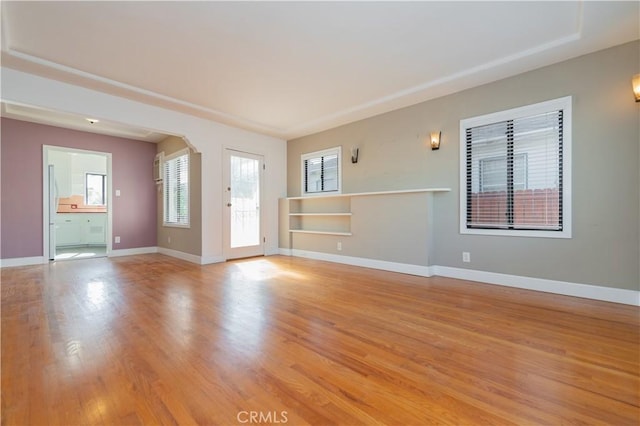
176, 189
321, 172
95, 189
515, 171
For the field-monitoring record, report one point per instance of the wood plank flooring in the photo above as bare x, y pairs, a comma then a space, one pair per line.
277, 340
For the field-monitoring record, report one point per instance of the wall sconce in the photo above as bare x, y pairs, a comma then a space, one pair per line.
354, 154
435, 140
636, 86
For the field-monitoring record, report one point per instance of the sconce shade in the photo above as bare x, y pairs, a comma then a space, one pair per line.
354, 154
435, 140
636, 86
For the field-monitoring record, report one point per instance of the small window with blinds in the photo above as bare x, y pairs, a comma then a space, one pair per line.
321, 172
515, 171
176, 189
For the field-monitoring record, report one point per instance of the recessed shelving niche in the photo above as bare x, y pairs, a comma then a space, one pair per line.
331, 214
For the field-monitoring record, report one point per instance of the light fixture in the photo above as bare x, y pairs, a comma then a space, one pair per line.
92, 120
354, 154
435, 140
636, 86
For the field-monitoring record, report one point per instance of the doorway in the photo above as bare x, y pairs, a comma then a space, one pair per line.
243, 204
77, 199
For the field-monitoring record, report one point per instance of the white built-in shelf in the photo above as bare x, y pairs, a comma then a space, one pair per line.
329, 214
305, 231
362, 194
320, 214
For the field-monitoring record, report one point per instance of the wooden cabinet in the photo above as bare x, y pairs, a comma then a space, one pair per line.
76, 229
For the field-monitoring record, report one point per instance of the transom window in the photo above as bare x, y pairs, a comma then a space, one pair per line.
321, 172
515, 171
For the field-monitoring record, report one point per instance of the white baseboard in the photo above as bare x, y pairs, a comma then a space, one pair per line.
207, 260
199, 260
39, 260
271, 251
587, 291
180, 255
22, 261
405, 268
133, 251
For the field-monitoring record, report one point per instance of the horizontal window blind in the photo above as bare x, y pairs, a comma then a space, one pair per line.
321, 173
176, 190
514, 173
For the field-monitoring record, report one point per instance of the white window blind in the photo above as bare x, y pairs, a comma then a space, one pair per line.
176, 189
321, 171
514, 172
493, 173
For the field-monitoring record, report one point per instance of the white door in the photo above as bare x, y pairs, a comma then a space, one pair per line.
52, 206
242, 211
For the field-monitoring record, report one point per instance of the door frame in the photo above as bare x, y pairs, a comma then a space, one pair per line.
238, 253
45, 195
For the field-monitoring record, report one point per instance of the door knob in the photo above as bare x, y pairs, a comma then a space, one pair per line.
228, 204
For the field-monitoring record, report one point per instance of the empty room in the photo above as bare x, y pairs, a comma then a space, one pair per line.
320, 213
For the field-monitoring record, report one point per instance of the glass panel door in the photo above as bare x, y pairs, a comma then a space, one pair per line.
243, 193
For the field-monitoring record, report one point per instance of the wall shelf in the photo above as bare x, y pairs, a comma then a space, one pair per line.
365, 194
320, 214
304, 231
330, 214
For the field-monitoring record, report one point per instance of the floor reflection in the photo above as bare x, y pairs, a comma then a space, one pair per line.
263, 269
96, 294
246, 306
180, 306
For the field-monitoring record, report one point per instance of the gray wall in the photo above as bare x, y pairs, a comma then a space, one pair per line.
186, 240
605, 248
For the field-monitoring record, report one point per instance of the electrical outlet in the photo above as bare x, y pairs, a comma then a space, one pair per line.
339, 245
118, 240
169, 240
466, 256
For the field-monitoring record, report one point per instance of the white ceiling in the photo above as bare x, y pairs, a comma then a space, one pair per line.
289, 69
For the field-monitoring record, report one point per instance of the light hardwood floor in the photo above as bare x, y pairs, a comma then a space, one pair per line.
155, 340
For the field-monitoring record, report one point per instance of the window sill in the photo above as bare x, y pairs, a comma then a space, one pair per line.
516, 233
176, 225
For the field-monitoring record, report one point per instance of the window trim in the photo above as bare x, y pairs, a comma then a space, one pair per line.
329, 151
563, 103
104, 189
166, 158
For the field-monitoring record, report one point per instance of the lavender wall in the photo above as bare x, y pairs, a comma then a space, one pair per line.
21, 210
